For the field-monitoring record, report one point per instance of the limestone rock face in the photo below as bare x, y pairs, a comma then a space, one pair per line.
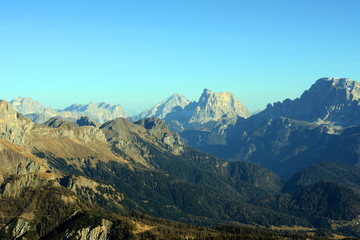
161, 109
101, 232
213, 106
13, 126
137, 139
21, 228
100, 112
15, 160
204, 114
335, 100
27, 106
17, 185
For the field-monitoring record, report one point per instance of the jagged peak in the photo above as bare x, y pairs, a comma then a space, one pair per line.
325, 85
21, 100
340, 83
7, 111
5, 105
334, 79
166, 106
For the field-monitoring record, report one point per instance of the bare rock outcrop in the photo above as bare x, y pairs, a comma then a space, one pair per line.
101, 112
163, 108
204, 114
335, 100
101, 232
13, 126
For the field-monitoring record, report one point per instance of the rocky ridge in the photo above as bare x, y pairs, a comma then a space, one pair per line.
331, 100
100, 112
210, 108
163, 108
213, 106
321, 125
32, 109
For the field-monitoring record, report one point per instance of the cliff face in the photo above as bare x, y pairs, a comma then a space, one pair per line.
204, 114
13, 126
163, 108
134, 139
333, 100
101, 112
213, 106
28, 107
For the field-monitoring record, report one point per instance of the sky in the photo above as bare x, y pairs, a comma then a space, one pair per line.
136, 53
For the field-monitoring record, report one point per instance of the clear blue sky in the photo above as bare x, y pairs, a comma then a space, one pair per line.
137, 53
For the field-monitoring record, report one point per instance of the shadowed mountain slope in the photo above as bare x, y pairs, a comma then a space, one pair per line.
333, 100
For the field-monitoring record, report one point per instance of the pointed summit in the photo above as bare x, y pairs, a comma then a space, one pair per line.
161, 109
12, 124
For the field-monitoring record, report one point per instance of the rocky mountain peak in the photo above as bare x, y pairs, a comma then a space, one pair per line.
100, 112
339, 89
12, 124
212, 106
210, 97
29, 106
328, 99
163, 108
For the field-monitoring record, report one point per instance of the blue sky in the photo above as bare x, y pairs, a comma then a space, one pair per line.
137, 53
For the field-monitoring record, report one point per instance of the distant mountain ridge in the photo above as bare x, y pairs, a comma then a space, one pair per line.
321, 125
100, 112
177, 111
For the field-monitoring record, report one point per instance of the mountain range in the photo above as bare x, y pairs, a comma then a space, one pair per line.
290, 171
163, 108
331, 100
321, 125
100, 112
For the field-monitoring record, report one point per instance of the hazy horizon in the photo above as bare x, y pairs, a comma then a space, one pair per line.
138, 53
